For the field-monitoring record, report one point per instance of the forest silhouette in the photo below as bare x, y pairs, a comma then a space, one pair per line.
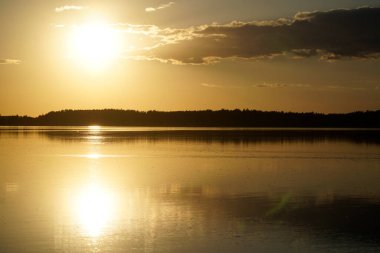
204, 118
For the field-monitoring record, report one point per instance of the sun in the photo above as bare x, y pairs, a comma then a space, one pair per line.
94, 45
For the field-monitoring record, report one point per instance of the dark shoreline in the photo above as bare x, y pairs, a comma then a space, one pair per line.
205, 118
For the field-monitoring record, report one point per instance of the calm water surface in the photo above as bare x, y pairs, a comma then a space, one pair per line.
185, 190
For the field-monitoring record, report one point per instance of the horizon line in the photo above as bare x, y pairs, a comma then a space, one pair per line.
193, 110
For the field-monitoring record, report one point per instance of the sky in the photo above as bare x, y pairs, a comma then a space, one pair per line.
283, 55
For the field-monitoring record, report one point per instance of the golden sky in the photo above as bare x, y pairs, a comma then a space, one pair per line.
287, 55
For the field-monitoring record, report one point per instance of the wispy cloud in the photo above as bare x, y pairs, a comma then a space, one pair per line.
210, 85
58, 25
70, 8
217, 86
9, 61
280, 85
160, 7
344, 87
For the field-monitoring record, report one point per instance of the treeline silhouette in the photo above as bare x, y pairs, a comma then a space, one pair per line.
205, 118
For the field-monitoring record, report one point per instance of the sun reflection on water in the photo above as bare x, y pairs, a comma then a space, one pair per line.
94, 128
93, 156
95, 208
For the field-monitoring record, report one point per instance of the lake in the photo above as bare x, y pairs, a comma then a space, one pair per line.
113, 189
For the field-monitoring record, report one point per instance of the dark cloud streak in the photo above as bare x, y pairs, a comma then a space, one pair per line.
332, 35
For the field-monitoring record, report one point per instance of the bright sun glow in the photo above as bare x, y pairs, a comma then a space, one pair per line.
93, 156
94, 45
94, 128
94, 209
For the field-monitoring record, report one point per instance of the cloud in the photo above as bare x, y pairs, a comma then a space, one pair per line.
9, 61
217, 86
330, 35
58, 25
210, 85
281, 85
162, 6
70, 8
336, 87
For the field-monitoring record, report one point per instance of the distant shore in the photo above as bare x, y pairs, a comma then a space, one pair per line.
205, 118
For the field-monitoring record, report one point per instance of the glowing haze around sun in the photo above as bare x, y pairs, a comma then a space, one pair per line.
93, 45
